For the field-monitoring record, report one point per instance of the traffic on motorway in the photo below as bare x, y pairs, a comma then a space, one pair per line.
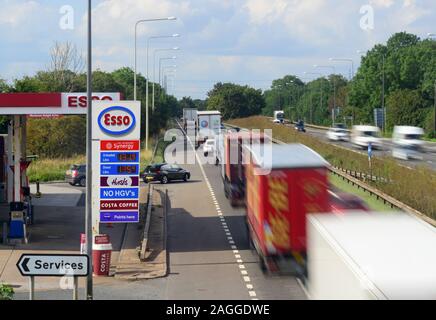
406, 143
291, 210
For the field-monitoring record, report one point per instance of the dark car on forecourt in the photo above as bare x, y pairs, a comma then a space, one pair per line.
170, 172
76, 175
151, 172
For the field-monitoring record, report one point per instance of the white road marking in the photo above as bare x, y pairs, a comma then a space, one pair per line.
249, 286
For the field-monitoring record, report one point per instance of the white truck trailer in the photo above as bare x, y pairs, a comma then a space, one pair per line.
370, 256
189, 117
209, 125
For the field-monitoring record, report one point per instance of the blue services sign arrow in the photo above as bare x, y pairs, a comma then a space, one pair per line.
53, 265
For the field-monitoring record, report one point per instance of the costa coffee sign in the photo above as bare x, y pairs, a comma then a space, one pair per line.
51, 103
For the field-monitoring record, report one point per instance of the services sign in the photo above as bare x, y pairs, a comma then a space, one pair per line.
116, 134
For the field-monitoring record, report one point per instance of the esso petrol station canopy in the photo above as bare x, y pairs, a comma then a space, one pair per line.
50, 103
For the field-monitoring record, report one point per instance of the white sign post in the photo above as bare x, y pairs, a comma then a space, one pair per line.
116, 146
53, 265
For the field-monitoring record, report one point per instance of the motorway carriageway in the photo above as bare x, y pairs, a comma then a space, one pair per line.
428, 158
208, 249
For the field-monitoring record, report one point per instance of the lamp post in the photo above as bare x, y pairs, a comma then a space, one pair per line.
136, 31
146, 85
433, 35
383, 89
351, 76
320, 83
154, 69
165, 74
88, 203
334, 89
160, 65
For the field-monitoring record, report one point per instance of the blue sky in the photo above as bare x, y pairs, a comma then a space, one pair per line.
243, 41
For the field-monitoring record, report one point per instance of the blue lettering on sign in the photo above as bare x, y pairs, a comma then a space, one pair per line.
119, 193
119, 169
113, 157
119, 216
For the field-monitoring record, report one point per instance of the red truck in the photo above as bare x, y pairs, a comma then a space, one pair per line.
232, 170
284, 183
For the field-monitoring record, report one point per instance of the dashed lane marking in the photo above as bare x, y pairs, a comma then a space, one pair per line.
244, 273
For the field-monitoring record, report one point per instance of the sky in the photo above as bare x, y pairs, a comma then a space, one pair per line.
243, 41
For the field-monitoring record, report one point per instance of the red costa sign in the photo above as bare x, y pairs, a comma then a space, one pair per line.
119, 205
117, 145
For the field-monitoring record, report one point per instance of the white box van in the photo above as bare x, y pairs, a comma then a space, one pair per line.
407, 142
361, 136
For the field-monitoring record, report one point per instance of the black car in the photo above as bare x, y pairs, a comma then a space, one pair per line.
76, 175
299, 126
151, 172
170, 172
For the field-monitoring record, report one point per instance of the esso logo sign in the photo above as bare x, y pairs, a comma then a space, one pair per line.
116, 120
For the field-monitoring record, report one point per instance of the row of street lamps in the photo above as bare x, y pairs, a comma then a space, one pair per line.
154, 67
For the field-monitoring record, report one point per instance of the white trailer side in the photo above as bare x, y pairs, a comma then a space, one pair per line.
371, 256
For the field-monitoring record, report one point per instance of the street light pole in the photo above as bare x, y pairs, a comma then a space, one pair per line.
136, 31
334, 89
88, 204
320, 84
352, 73
154, 70
146, 87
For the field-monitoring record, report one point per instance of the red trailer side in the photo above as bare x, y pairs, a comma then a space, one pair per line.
279, 200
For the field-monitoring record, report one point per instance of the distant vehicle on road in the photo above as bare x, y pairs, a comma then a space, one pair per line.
361, 136
152, 172
209, 147
279, 116
299, 126
76, 175
171, 172
209, 125
407, 142
337, 134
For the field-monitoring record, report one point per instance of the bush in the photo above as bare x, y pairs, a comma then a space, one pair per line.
414, 187
6, 292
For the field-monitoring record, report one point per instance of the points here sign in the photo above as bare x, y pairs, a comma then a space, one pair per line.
116, 134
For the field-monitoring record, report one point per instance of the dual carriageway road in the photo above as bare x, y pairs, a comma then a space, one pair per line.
209, 256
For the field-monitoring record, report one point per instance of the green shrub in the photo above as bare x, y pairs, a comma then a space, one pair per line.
6, 292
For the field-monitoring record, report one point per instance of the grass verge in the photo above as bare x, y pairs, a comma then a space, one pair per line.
414, 187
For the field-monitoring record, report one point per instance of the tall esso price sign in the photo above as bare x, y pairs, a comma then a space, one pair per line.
115, 171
